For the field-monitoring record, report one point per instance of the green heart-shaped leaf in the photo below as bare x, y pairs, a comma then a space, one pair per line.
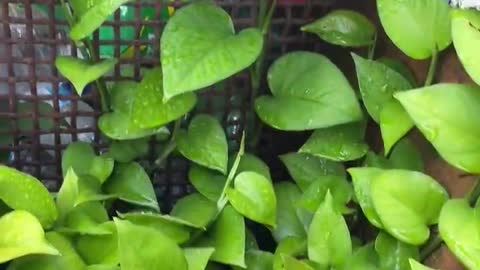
328, 236
149, 108
417, 27
363, 258
99, 249
94, 17
178, 232
207, 182
251, 163
338, 143
195, 209
82, 159
205, 143
309, 92
131, 183
197, 258
127, 151
459, 227
394, 254
85, 219
218, 53
394, 124
466, 36
343, 27
406, 156
291, 221
21, 191
158, 251
69, 258
414, 265
120, 124
443, 113
306, 169
254, 198
80, 72
22, 234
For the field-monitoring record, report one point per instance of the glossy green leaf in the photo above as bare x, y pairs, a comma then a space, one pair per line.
22, 234
218, 53
414, 265
363, 258
178, 232
149, 109
399, 67
290, 246
131, 183
340, 189
338, 143
466, 39
343, 27
395, 123
21, 191
80, 72
120, 124
102, 267
290, 263
128, 151
407, 202
253, 197
443, 113
227, 236
328, 236
459, 227
82, 159
250, 241
94, 17
306, 169
207, 182
258, 260
197, 258
376, 161
406, 156
291, 221
157, 250
394, 254
79, 7
251, 163
417, 27
195, 209
377, 84
309, 92
85, 219
99, 249
205, 143
69, 258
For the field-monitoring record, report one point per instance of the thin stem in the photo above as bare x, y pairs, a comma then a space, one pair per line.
474, 194
371, 50
171, 145
432, 69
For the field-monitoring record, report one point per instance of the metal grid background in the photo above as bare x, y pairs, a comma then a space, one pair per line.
228, 100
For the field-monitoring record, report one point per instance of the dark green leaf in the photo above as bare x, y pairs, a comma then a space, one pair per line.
128, 151
399, 67
207, 182
394, 254
195, 209
364, 258
259, 260
406, 156
99, 249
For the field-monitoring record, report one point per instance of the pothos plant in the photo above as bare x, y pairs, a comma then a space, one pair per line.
77, 228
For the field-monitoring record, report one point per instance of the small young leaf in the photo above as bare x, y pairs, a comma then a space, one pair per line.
128, 151
394, 254
405, 156
99, 249
94, 17
254, 198
149, 109
21, 191
466, 36
417, 27
338, 143
306, 169
69, 258
131, 183
197, 258
448, 125
82, 159
414, 265
291, 221
309, 92
22, 234
394, 124
80, 72
459, 228
328, 237
218, 53
195, 209
343, 27
207, 182
85, 219
158, 251
205, 143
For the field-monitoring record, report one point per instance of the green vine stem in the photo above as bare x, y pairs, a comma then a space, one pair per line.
432, 69
171, 145
89, 51
371, 49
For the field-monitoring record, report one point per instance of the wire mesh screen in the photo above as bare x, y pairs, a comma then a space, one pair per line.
39, 114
